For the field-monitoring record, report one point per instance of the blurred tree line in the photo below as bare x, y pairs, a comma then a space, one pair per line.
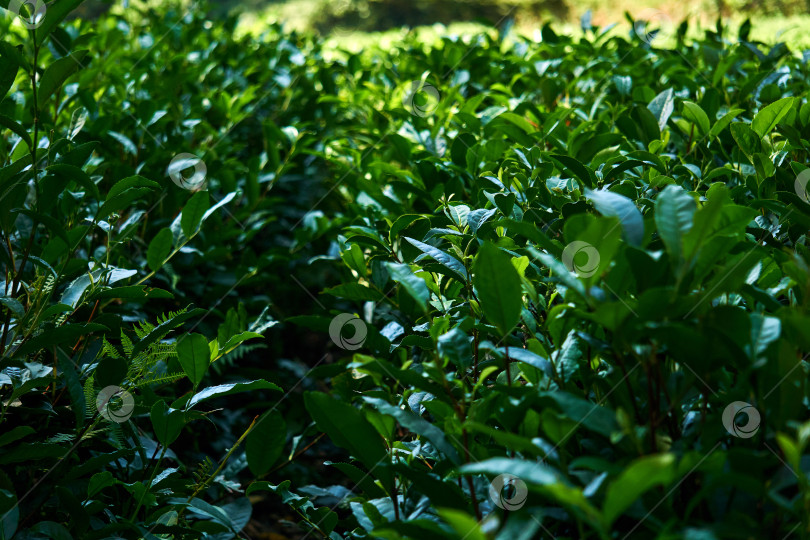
384, 14
371, 15
755, 7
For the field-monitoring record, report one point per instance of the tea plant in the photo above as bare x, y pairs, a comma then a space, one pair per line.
581, 268
563, 283
96, 388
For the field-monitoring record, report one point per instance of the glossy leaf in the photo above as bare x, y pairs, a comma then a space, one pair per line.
615, 205
674, 214
498, 287
56, 74
194, 355
767, 118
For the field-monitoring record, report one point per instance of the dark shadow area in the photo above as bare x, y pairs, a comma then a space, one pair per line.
376, 15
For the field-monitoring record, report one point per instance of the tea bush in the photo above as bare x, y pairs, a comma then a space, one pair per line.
561, 284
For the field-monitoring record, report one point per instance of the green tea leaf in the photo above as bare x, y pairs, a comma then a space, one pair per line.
159, 248
228, 389
56, 13
695, 114
8, 72
414, 423
442, 258
638, 477
662, 107
193, 213
416, 286
15, 434
167, 423
194, 356
528, 471
724, 122
498, 287
56, 74
674, 213
615, 205
465, 525
20, 131
349, 429
746, 139
767, 118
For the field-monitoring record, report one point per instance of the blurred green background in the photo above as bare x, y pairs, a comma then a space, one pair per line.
375, 15
773, 20
353, 22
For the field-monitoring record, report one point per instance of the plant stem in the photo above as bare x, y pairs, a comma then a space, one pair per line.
149, 483
221, 465
470, 483
476, 372
15, 284
297, 454
651, 410
508, 370
35, 142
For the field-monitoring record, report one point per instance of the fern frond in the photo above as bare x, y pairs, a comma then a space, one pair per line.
166, 317
109, 350
229, 360
60, 438
116, 434
93, 433
242, 350
160, 379
142, 328
203, 472
127, 344
90, 396
50, 282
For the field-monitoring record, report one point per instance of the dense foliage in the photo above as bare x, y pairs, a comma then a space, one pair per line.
563, 284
